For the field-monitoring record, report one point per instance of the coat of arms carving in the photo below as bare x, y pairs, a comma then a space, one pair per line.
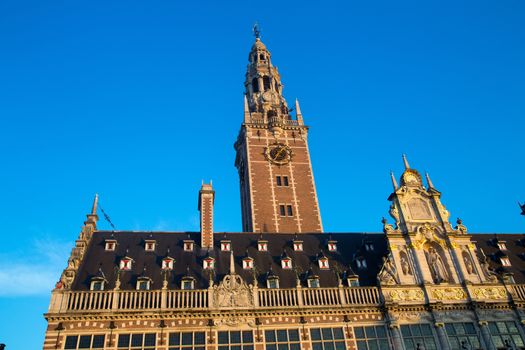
233, 292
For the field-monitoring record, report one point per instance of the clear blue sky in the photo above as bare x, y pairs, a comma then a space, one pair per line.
140, 100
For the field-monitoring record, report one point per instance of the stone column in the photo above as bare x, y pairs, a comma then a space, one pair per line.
442, 335
485, 334
396, 337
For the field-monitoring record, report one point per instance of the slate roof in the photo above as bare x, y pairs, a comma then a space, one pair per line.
131, 244
349, 246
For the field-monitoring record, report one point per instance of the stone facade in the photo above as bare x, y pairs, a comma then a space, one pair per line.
421, 284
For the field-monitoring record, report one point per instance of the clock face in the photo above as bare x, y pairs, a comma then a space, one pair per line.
410, 178
279, 153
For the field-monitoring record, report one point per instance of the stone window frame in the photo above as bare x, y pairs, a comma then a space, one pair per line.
364, 337
131, 345
262, 246
149, 245
298, 246
178, 344
332, 246
272, 283
232, 342
286, 263
313, 282
282, 338
499, 335
72, 342
505, 261
126, 264
324, 263
226, 246
167, 264
110, 245
97, 284
247, 263
208, 263
327, 338
188, 245
186, 282
143, 284
456, 338
418, 333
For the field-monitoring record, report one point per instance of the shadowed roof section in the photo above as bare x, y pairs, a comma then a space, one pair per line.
131, 244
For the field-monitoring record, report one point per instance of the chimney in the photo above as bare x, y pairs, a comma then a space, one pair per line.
206, 199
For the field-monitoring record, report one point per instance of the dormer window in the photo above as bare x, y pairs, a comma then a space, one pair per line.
505, 261
188, 283
111, 244
332, 246
149, 246
369, 246
97, 283
298, 246
188, 245
125, 263
272, 282
143, 283
286, 263
262, 246
323, 263
353, 281
208, 263
313, 282
361, 263
502, 246
167, 263
247, 263
226, 246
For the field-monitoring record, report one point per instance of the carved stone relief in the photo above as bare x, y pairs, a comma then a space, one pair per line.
232, 292
419, 209
449, 294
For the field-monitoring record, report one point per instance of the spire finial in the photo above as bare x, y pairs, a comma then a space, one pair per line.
256, 30
394, 182
429, 182
407, 166
95, 205
232, 264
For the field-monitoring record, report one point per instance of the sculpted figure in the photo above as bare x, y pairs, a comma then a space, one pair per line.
436, 266
405, 267
468, 264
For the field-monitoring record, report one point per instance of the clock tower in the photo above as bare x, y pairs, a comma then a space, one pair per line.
277, 185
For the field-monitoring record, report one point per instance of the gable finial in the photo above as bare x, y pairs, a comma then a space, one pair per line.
429, 182
95, 205
394, 182
256, 30
405, 161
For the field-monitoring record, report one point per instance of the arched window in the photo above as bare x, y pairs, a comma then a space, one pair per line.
266, 83
261, 57
255, 85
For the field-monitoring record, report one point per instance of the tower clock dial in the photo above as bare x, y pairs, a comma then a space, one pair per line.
279, 154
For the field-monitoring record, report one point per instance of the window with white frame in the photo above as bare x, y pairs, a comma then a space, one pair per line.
313, 282
125, 264
272, 282
298, 246
323, 263
188, 283
353, 281
505, 261
110, 245
286, 263
97, 283
502, 246
226, 246
208, 263
167, 263
149, 246
262, 246
247, 263
187, 341
75, 342
137, 341
143, 283
332, 246
282, 339
188, 245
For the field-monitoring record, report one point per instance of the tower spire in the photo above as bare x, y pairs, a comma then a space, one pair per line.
394, 182
405, 161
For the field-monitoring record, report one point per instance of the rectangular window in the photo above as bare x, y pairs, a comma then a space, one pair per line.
187, 341
74, 342
137, 341
282, 209
282, 339
289, 210
371, 337
285, 181
417, 336
461, 335
327, 339
279, 181
503, 332
235, 340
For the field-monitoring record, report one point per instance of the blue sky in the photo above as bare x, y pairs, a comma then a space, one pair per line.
139, 101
